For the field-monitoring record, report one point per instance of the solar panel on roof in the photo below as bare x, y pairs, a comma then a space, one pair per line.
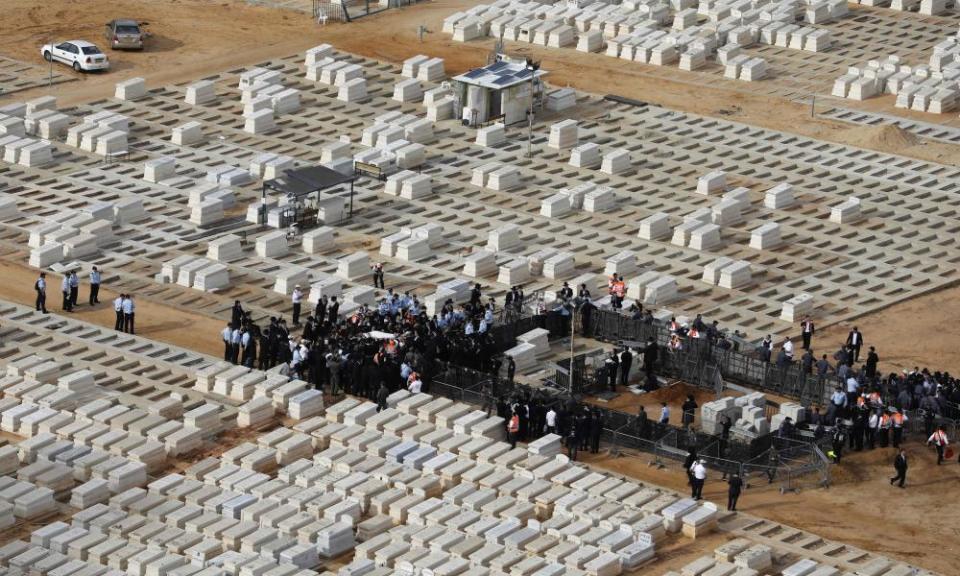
497, 66
475, 73
501, 80
523, 74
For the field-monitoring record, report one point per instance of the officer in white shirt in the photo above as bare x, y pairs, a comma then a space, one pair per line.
128, 313
245, 340
296, 298
235, 338
227, 341
853, 387
74, 288
41, 288
65, 290
118, 308
699, 479
94, 286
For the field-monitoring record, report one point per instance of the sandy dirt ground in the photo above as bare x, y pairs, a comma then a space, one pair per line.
917, 333
917, 524
191, 39
154, 320
674, 395
194, 38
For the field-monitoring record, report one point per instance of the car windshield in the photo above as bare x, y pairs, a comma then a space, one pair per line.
127, 29
91, 50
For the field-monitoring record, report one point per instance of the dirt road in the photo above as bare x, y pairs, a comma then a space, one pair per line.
154, 319
191, 39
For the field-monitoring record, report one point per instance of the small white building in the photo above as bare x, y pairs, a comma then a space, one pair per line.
503, 90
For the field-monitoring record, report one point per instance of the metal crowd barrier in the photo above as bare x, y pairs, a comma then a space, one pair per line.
700, 360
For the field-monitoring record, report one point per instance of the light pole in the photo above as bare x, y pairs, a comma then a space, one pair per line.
532, 67
573, 320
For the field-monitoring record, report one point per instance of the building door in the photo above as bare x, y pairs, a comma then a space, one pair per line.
495, 104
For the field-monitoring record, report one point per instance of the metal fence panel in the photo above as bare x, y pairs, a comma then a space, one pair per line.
698, 361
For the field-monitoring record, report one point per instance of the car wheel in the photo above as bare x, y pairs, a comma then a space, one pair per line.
76, 67
47, 56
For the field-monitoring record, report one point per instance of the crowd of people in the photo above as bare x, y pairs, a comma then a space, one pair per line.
868, 409
395, 344
391, 345
529, 418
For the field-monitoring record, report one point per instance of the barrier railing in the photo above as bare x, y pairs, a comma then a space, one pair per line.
795, 463
700, 360
701, 363
620, 428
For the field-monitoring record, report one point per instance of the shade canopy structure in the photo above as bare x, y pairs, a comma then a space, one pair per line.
297, 184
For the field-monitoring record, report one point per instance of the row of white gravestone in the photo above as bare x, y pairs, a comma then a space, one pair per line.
80, 234
928, 87
193, 272
519, 21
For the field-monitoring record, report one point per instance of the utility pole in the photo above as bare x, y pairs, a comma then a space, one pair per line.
574, 308
573, 321
532, 67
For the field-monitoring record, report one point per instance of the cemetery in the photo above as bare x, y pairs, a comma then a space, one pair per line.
330, 489
126, 454
581, 197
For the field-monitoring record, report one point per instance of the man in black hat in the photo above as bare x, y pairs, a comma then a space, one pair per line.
900, 465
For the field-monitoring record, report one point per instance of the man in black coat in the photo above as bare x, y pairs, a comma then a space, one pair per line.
688, 464
806, 362
333, 309
583, 429
855, 341
236, 314
643, 423
612, 364
650, 356
320, 310
573, 441
626, 361
900, 465
806, 331
725, 424
688, 411
382, 395
870, 366
596, 428
733, 494
586, 312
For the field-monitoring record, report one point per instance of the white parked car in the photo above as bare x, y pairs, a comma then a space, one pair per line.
78, 54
